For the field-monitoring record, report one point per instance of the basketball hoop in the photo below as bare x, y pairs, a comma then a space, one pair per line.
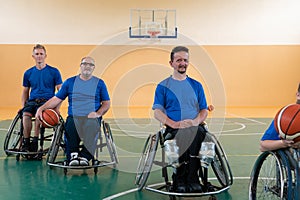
153, 33
152, 23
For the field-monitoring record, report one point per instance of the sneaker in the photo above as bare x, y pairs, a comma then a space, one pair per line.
25, 148
33, 146
195, 187
181, 188
74, 161
25, 145
83, 161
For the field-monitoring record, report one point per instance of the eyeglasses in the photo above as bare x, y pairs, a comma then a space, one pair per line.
85, 64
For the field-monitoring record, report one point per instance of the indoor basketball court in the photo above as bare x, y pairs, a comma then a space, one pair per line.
118, 183
248, 66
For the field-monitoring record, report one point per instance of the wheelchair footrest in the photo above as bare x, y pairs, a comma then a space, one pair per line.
61, 165
162, 188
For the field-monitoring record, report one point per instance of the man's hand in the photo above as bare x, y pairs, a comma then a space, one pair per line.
39, 114
57, 110
296, 145
188, 123
93, 115
288, 143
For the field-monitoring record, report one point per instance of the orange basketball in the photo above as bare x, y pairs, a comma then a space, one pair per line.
287, 122
50, 118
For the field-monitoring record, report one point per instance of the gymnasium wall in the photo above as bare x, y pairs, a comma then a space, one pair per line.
252, 48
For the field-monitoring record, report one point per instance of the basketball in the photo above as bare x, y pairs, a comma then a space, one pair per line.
50, 118
287, 122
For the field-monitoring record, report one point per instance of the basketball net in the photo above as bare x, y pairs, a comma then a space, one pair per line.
153, 33
153, 29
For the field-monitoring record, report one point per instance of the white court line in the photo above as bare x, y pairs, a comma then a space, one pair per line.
136, 189
120, 194
235, 134
243, 126
247, 119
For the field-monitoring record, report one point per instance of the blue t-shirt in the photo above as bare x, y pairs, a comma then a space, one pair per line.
271, 133
41, 82
83, 96
180, 99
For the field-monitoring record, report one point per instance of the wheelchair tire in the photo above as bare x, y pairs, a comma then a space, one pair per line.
220, 164
271, 177
57, 142
294, 158
146, 160
13, 138
110, 143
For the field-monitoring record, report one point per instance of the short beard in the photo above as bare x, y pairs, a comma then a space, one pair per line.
298, 101
181, 72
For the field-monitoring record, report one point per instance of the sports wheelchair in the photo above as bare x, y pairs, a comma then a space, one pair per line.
276, 175
13, 140
219, 182
59, 143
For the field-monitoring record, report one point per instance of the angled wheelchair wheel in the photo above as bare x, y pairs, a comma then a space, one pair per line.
110, 143
146, 160
220, 164
13, 138
57, 142
293, 156
271, 177
288, 192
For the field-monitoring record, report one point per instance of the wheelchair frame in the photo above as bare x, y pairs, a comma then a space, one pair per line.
220, 167
14, 137
59, 143
276, 175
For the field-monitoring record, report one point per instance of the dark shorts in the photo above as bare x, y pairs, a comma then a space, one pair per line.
32, 105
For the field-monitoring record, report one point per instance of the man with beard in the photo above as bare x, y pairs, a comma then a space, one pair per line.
271, 140
180, 105
88, 101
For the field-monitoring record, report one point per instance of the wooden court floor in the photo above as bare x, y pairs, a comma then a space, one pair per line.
32, 180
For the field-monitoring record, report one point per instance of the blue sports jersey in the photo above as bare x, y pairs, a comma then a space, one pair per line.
180, 99
41, 82
83, 96
271, 133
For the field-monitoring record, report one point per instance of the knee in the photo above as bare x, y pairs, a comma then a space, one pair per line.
27, 117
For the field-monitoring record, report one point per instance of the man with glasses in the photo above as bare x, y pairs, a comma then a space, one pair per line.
39, 84
88, 100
